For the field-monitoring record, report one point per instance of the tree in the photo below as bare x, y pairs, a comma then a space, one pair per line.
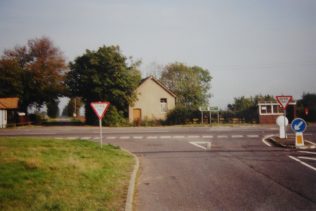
247, 107
34, 73
104, 75
190, 84
73, 107
52, 108
307, 103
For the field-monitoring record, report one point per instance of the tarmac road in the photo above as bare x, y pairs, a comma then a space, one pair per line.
225, 168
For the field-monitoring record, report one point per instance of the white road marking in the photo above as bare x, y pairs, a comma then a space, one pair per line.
306, 158
308, 152
237, 136
222, 136
124, 137
198, 144
178, 136
138, 137
111, 137
264, 140
310, 142
207, 136
164, 137
151, 137
253, 136
193, 136
303, 163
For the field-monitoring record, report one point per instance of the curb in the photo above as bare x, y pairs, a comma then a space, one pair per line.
132, 182
311, 145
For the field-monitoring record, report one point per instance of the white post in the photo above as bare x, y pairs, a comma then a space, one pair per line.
100, 124
285, 136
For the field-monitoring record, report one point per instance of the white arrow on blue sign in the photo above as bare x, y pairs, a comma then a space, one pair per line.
298, 125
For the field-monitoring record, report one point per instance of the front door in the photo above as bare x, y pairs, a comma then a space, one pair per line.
137, 115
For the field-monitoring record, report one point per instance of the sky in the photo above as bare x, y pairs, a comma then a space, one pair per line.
249, 47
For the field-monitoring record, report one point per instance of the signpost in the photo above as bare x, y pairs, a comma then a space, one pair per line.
209, 109
283, 102
299, 126
100, 109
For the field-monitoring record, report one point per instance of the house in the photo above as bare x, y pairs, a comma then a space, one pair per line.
269, 111
8, 107
153, 103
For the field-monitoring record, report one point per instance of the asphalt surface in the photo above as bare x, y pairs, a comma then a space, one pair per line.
220, 168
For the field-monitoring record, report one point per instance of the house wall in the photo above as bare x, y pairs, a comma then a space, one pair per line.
149, 94
3, 118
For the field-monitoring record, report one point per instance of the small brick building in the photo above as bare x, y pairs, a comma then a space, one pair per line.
269, 111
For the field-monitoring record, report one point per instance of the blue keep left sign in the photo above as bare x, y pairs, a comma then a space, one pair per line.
298, 125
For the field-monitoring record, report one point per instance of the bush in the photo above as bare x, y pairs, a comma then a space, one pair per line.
182, 115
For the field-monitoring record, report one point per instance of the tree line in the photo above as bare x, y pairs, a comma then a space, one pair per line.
38, 74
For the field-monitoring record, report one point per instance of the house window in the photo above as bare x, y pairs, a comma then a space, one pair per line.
277, 109
163, 105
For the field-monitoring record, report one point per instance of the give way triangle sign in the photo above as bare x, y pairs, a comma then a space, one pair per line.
283, 101
100, 108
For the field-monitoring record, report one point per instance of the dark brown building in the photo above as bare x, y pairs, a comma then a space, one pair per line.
269, 111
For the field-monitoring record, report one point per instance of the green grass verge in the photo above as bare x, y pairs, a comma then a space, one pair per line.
48, 174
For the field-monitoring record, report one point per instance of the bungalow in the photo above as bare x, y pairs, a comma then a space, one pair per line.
8, 107
153, 103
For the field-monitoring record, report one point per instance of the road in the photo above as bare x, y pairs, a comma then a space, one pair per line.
202, 168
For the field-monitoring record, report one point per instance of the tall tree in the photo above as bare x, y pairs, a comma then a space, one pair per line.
52, 108
190, 84
306, 107
34, 73
101, 75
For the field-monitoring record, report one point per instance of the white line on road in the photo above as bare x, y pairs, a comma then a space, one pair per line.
111, 137
198, 144
222, 136
310, 142
303, 163
151, 137
306, 158
124, 137
207, 136
264, 140
253, 136
178, 136
164, 137
138, 137
237, 136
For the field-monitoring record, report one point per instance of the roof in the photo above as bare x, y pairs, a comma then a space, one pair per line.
9, 103
159, 83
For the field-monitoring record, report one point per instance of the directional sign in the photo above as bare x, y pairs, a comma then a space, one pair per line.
298, 125
100, 108
283, 100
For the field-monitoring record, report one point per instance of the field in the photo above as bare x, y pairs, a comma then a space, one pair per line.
48, 174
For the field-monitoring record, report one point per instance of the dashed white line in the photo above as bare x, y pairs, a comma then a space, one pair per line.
178, 137
253, 136
111, 137
138, 137
151, 137
164, 137
222, 136
303, 163
207, 136
237, 136
124, 137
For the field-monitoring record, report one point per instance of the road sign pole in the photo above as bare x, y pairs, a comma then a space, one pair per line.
285, 135
100, 124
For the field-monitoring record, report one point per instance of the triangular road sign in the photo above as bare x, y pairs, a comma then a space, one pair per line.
283, 101
100, 108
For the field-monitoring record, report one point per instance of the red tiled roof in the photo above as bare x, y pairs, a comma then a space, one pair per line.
9, 103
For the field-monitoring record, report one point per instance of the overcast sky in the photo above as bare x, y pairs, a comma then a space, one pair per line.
249, 46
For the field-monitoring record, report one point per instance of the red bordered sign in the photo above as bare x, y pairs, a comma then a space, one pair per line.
284, 101
100, 108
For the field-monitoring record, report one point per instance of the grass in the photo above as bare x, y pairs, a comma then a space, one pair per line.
48, 174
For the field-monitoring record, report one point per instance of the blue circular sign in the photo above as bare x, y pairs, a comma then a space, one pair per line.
298, 125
